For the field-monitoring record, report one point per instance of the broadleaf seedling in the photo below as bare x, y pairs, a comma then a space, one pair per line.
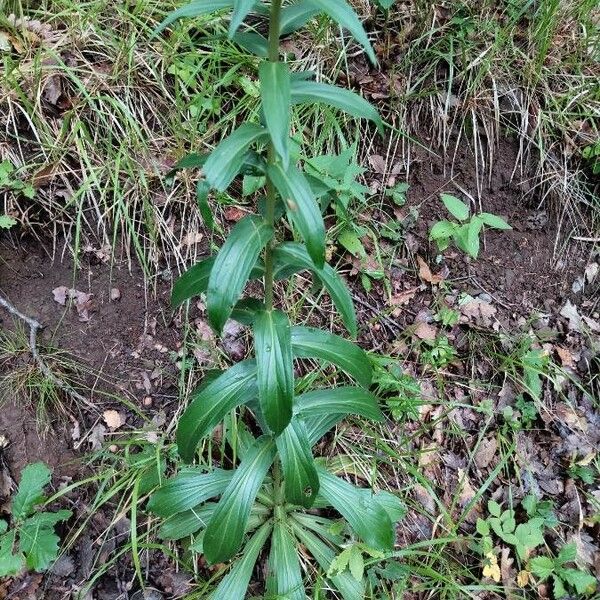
466, 229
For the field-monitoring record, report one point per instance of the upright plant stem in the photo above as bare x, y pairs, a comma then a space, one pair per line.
274, 29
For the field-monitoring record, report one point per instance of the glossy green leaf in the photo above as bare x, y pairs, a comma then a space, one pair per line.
299, 471
324, 555
302, 209
10, 563
209, 405
308, 342
274, 368
494, 221
442, 230
252, 42
186, 523
195, 280
457, 208
225, 532
233, 266
275, 95
474, 229
30, 492
202, 190
296, 15
341, 401
235, 584
246, 310
37, 539
284, 566
343, 14
303, 91
364, 514
193, 9
226, 160
190, 161
319, 425
290, 257
322, 409
241, 8
189, 488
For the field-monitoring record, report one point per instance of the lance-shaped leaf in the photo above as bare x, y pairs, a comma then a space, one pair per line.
233, 266
226, 160
299, 471
195, 280
284, 566
359, 507
235, 584
225, 532
311, 91
202, 190
189, 488
274, 368
193, 9
252, 42
275, 96
209, 405
291, 257
302, 209
350, 588
241, 8
341, 12
308, 342
185, 523
296, 15
322, 409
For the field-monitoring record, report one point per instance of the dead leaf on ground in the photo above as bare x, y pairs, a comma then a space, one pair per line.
466, 494
486, 452
425, 331
482, 313
566, 357
426, 275
233, 213
377, 163
113, 419
569, 416
402, 298
81, 300
569, 311
192, 238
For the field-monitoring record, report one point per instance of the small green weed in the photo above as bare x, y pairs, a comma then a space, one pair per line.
466, 229
440, 353
564, 578
29, 540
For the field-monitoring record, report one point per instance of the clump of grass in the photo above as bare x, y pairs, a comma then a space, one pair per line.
24, 382
477, 72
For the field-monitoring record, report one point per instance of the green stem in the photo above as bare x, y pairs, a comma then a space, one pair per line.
274, 30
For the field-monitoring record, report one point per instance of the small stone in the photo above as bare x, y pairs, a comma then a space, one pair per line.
147, 401
113, 448
115, 294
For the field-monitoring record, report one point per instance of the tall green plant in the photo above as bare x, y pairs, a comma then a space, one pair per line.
277, 479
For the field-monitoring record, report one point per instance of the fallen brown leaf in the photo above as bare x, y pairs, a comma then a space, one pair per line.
425, 273
425, 331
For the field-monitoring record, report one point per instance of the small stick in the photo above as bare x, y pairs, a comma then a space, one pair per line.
586, 239
34, 327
